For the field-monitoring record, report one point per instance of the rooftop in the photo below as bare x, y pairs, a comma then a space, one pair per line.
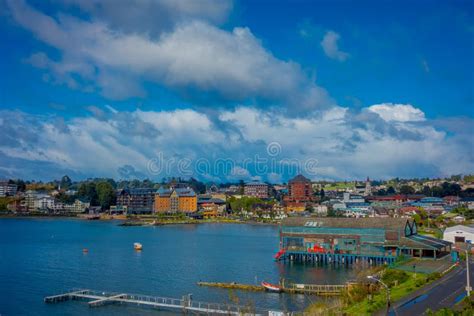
460, 227
299, 178
182, 192
368, 222
255, 183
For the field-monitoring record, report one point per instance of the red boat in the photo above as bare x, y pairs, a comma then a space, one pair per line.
280, 253
272, 287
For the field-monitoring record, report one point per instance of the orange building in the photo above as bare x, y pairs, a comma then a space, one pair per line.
175, 200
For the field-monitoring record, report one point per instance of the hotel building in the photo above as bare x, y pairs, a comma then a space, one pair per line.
175, 200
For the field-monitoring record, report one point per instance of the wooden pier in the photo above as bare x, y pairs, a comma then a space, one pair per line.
186, 304
315, 289
233, 285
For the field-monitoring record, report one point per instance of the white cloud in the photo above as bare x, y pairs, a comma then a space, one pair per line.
346, 145
331, 47
193, 54
398, 112
152, 16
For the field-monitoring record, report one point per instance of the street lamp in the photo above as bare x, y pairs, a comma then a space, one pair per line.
370, 277
468, 283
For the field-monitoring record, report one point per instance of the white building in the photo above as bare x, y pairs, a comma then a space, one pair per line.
459, 233
7, 189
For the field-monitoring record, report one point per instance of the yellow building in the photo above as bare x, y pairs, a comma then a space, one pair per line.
175, 200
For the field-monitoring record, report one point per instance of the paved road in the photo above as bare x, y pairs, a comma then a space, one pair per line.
444, 292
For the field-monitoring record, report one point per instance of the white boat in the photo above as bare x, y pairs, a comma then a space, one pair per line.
137, 246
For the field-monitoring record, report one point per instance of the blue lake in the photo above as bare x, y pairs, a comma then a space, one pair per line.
41, 257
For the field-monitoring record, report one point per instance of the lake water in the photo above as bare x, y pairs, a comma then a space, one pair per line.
41, 257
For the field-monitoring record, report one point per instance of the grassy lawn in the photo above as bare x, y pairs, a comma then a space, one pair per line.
338, 186
379, 300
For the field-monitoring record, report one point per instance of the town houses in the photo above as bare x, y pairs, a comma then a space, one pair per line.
447, 203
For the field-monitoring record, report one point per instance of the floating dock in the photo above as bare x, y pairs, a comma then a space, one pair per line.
186, 304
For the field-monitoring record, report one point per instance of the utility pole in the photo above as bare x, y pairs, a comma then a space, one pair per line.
468, 282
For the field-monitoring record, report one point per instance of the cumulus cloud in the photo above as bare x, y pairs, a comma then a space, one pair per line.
152, 16
398, 112
192, 55
331, 47
345, 145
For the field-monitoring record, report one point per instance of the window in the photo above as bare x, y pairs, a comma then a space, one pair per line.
459, 239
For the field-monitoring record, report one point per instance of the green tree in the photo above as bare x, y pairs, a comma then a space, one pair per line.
390, 190
64, 198
197, 186
88, 191
241, 187
426, 191
65, 182
406, 189
105, 194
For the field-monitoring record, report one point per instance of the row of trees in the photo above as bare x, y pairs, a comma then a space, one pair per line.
443, 190
246, 203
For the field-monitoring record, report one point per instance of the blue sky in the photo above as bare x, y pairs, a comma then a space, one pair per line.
381, 89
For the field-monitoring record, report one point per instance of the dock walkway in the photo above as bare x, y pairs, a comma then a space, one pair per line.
186, 304
315, 289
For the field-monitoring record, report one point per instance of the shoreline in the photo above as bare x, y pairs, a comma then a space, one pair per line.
138, 221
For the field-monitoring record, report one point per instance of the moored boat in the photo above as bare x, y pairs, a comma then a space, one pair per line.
137, 246
272, 287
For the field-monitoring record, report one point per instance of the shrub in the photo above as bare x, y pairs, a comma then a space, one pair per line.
433, 276
393, 277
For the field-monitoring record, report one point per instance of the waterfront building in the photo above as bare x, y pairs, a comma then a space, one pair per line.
459, 234
300, 194
256, 189
211, 207
17, 205
79, 206
175, 200
118, 210
137, 201
7, 189
44, 203
379, 240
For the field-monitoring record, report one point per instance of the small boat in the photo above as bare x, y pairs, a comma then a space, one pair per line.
272, 287
137, 246
279, 254
85, 250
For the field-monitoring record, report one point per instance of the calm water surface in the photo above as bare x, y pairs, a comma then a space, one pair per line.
41, 257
